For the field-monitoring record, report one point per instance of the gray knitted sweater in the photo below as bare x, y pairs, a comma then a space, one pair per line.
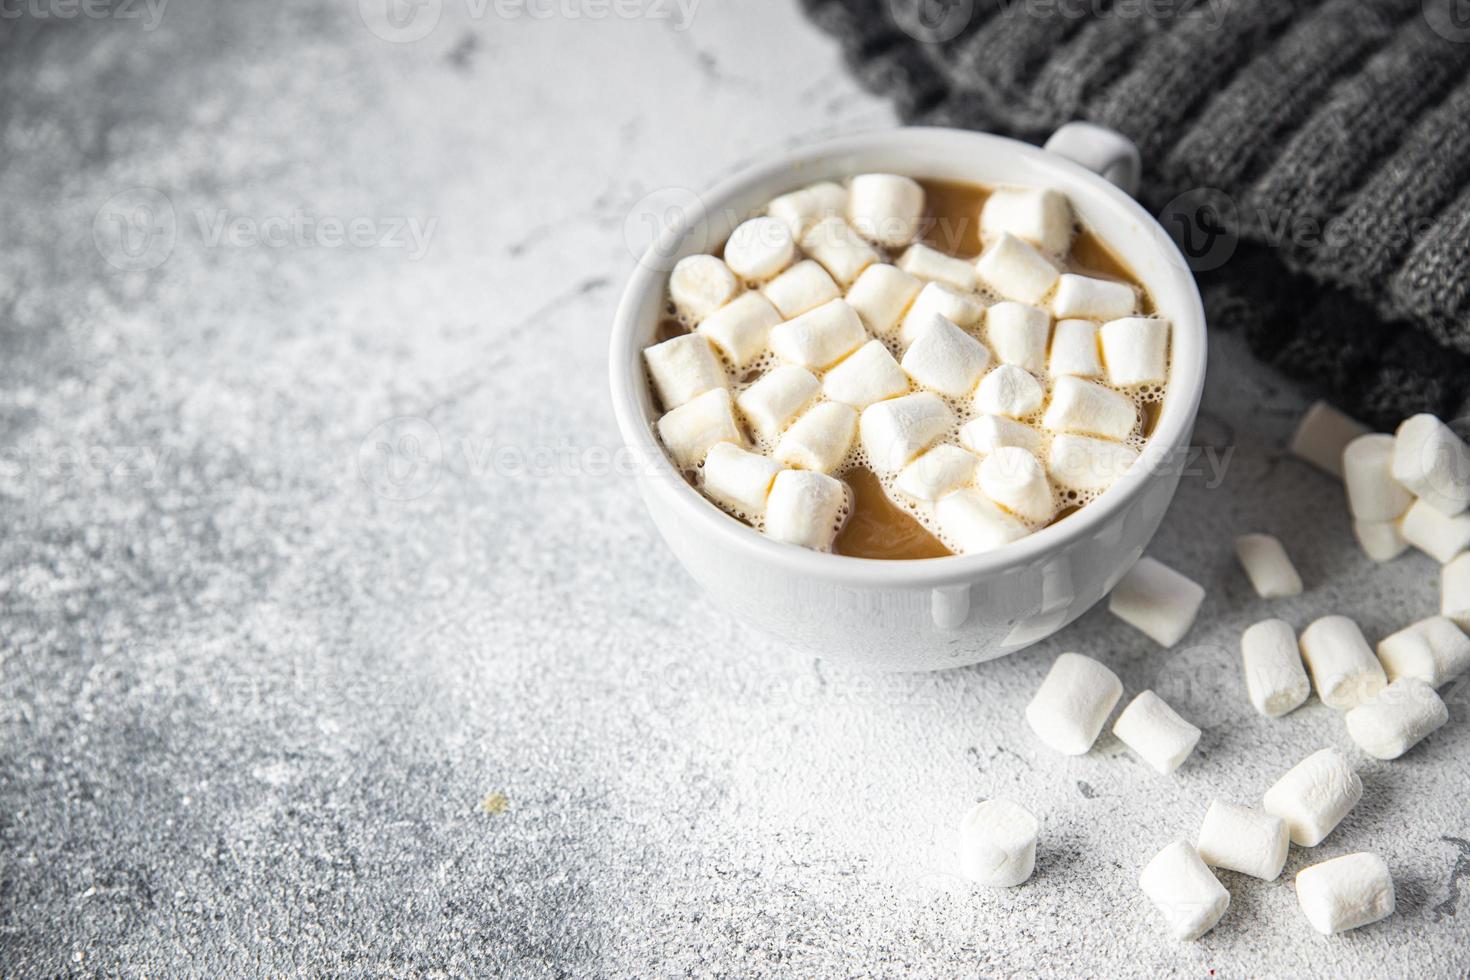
1313, 158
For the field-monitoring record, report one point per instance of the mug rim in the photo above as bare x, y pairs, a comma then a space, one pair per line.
1175, 423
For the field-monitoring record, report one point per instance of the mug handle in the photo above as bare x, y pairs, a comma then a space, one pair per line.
1103, 151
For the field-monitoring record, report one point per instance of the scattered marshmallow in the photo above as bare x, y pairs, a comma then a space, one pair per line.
1267, 565
898, 429
1088, 408
1018, 334
1187, 892
1073, 701
1016, 270
1395, 721
934, 266
1009, 391
1156, 600
820, 439
1427, 528
1238, 838
777, 396
819, 338
987, 433
974, 523
1085, 463
739, 479
1092, 299
1314, 796
805, 286
801, 209
1433, 650
998, 844
1374, 496
682, 368
1322, 435
1381, 540
1014, 479
936, 472
741, 327
869, 374
701, 284
759, 249
1342, 665
1433, 463
885, 208
1074, 349
1041, 216
881, 295
1275, 679
1345, 893
946, 358
805, 508
1136, 350
690, 430
840, 249
936, 298
1454, 591
1156, 732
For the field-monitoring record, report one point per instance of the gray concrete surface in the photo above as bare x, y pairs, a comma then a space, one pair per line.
289, 687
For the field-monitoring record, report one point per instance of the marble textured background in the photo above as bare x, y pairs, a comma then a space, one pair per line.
289, 686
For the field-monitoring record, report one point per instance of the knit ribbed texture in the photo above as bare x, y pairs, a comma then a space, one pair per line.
1336, 132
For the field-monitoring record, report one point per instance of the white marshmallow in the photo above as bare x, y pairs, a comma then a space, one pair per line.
701, 284
1427, 528
945, 358
1396, 720
1275, 679
998, 844
820, 439
1433, 650
936, 472
1187, 892
819, 338
1157, 601
1041, 216
1344, 670
741, 327
1373, 494
1072, 703
1136, 350
682, 368
801, 209
974, 523
1088, 408
1322, 435
1314, 796
1433, 463
881, 295
1156, 732
986, 434
1093, 299
840, 250
1016, 270
1014, 479
1238, 838
885, 208
805, 286
776, 398
935, 298
1345, 893
1380, 540
1009, 391
898, 429
690, 430
1074, 349
738, 479
869, 374
1267, 565
1085, 463
1018, 334
805, 508
759, 249
1454, 591
933, 265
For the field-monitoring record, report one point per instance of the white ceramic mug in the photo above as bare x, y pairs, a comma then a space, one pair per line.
942, 612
